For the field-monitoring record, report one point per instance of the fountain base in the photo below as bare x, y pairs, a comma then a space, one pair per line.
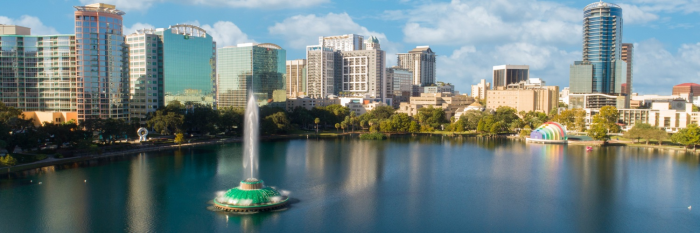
251, 196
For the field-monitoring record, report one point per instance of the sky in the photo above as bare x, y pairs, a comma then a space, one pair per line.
469, 36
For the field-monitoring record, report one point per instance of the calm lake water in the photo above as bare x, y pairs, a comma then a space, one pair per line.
423, 184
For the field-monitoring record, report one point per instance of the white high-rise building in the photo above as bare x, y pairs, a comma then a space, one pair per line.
479, 90
320, 71
363, 72
420, 61
144, 80
349, 42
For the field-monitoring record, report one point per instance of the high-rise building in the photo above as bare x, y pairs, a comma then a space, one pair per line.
505, 75
259, 69
420, 61
320, 71
173, 64
37, 73
479, 90
602, 44
349, 42
627, 54
399, 84
189, 65
603, 70
363, 73
101, 60
296, 78
145, 73
346, 70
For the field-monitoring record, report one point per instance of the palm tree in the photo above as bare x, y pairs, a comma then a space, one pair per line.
337, 127
317, 121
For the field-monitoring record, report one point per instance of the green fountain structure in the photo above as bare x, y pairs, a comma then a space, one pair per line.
251, 195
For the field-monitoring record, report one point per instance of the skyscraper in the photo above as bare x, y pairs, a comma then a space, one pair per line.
102, 74
145, 73
627, 54
256, 68
420, 61
363, 72
505, 75
320, 71
602, 72
37, 73
173, 64
296, 78
349, 42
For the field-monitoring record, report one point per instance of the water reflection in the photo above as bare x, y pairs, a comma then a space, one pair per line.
140, 196
431, 183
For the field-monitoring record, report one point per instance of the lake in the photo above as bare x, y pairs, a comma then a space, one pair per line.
405, 184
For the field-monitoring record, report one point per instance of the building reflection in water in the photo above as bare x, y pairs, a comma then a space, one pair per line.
62, 206
140, 194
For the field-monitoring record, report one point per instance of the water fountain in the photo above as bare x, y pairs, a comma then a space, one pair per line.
251, 195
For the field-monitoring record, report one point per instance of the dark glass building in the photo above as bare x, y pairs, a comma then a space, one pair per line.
256, 68
602, 45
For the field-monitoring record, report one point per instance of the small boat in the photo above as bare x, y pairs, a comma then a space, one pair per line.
588, 148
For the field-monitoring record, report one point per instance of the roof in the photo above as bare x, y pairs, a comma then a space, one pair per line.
421, 49
475, 104
687, 85
601, 4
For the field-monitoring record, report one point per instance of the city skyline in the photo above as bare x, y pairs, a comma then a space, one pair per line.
548, 42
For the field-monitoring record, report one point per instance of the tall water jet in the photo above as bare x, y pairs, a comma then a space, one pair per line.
250, 138
251, 195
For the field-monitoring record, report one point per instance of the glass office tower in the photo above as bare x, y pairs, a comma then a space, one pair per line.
256, 68
37, 73
189, 65
602, 45
102, 73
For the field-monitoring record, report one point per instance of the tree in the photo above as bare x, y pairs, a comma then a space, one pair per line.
316, 121
525, 132
608, 117
637, 131
166, 122
695, 108
179, 138
496, 127
659, 135
363, 124
599, 132
343, 125
202, 119
431, 117
337, 127
8, 160
688, 136
277, 123
414, 128
382, 112
480, 128
231, 119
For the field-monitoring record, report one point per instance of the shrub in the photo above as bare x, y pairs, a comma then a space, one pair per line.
372, 136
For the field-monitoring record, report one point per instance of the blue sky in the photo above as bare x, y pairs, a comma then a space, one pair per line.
470, 36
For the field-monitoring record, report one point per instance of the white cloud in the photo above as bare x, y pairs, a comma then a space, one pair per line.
498, 21
669, 6
225, 33
467, 65
38, 28
656, 69
634, 15
137, 26
274, 4
303, 30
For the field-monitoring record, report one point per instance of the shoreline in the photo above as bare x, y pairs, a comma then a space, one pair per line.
53, 161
